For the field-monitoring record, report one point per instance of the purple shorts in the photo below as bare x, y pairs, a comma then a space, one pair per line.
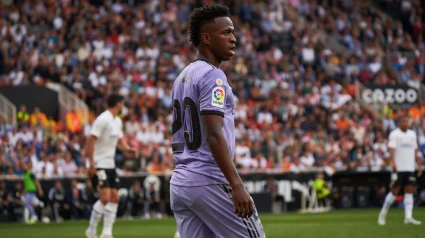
208, 211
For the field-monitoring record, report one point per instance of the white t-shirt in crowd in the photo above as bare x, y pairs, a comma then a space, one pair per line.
243, 155
307, 160
132, 127
48, 166
26, 137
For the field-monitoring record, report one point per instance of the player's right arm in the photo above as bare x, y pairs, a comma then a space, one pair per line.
90, 152
392, 144
95, 132
212, 116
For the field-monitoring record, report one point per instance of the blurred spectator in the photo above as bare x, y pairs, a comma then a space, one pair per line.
271, 187
132, 126
23, 116
6, 202
73, 121
38, 118
258, 163
297, 166
11, 201
77, 205
60, 202
44, 167
89, 195
155, 165
69, 167
152, 203
135, 200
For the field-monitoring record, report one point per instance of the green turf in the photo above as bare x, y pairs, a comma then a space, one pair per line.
336, 224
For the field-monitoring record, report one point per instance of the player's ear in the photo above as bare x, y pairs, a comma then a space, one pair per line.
205, 38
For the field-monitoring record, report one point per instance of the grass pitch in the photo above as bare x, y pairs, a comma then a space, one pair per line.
335, 224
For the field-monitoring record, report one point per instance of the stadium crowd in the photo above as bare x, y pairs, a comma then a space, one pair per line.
295, 110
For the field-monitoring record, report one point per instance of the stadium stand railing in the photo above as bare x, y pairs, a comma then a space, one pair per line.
7, 110
68, 101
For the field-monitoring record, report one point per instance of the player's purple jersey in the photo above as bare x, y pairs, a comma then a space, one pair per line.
200, 89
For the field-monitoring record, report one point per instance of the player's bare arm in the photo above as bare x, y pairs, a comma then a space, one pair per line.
218, 146
90, 151
392, 151
123, 146
418, 162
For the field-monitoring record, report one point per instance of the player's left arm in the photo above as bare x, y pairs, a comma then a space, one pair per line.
418, 162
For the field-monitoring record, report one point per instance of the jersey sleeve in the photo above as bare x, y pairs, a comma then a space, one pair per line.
212, 93
98, 126
392, 142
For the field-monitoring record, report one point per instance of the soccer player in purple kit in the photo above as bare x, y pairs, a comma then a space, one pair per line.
207, 195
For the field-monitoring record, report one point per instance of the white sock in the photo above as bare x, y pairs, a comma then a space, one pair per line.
109, 218
96, 214
389, 199
408, 205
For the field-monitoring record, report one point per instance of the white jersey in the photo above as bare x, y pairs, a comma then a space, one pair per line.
108, 130
405, 145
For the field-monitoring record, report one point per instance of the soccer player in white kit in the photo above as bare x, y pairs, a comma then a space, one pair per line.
403, 149
106, 134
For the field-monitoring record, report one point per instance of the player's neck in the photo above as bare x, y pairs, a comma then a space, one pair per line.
113, 112
206, 55
402, 130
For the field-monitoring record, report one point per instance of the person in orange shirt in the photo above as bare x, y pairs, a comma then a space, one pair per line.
155, 165
343, 123
38, 118
73, 122
415, 112
285, 163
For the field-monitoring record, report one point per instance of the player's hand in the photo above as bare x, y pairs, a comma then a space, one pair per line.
91, 171
394, 168
40, 193
420, 173
242, 201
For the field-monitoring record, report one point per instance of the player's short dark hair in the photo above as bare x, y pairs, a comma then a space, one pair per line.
114, 99
201, 16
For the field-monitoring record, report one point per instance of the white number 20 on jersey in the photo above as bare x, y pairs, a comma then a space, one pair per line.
101, 175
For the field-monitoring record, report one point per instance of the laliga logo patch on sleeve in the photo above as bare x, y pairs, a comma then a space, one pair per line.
217, 97
219, 81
